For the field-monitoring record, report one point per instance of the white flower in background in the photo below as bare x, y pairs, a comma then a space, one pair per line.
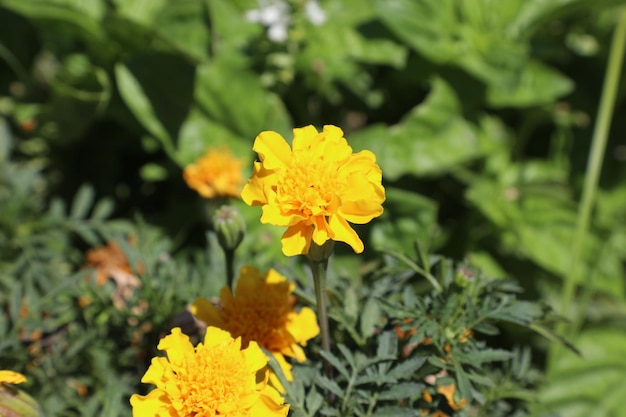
276, 16
314, 13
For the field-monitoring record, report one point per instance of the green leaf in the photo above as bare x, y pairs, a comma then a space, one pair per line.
394, 412
140, 11
408, 217
330, 386
84, 16
401, 391
336, 363
82, 203
432, 139
135, 98
590, 384
370, 317
407, 368
468, 35
237, 100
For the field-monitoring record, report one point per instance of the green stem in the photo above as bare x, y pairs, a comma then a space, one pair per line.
318, 268
594, 164
229, 254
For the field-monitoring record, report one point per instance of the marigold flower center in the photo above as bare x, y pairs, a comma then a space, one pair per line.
212, 382
263, 320
309, 186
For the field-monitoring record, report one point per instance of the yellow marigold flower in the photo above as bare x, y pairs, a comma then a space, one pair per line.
10, 377
214, 378
216, 174
262, 311
314, 188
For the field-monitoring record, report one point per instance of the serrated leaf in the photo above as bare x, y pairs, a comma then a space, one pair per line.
336, 363
463, 383
82, 203
477, 358
406, 368
486, 328
347, 354
394, 412
314, 401
401, 391
330, 385
387, 345
103, 209
370, 317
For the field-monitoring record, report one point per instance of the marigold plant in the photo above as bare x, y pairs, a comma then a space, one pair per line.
314, 188
216, 377
262, 311
216, 174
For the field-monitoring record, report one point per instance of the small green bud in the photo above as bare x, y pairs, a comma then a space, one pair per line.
463, 277
16, 403
229, 226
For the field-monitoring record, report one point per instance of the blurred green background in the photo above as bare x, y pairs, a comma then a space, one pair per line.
480, 114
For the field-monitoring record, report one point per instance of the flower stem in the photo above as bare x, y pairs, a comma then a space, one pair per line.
318, 268
229, 255
594, 163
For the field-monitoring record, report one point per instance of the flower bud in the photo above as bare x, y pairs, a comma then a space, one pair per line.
16, 403
319, 253
230, 227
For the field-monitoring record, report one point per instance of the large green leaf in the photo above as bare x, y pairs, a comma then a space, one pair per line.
536, 219
408, 217
237, 100
477, 37
593, 384
431, 139
82, 15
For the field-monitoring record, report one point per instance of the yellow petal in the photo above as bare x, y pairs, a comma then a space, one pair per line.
360, 212
157, 372
204, 310
284, 365
253, 192
216, 337
303, 325
270, 405
342, 232
303, 137
11, 377
320, 231
176, 345
273, 151
273, 277
255, 358
149, 405
297, 239
333, 132
273, 215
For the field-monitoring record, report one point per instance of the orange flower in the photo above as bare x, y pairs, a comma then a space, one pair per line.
216, 174
110, 262
262, 311
314, 188
448, 392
